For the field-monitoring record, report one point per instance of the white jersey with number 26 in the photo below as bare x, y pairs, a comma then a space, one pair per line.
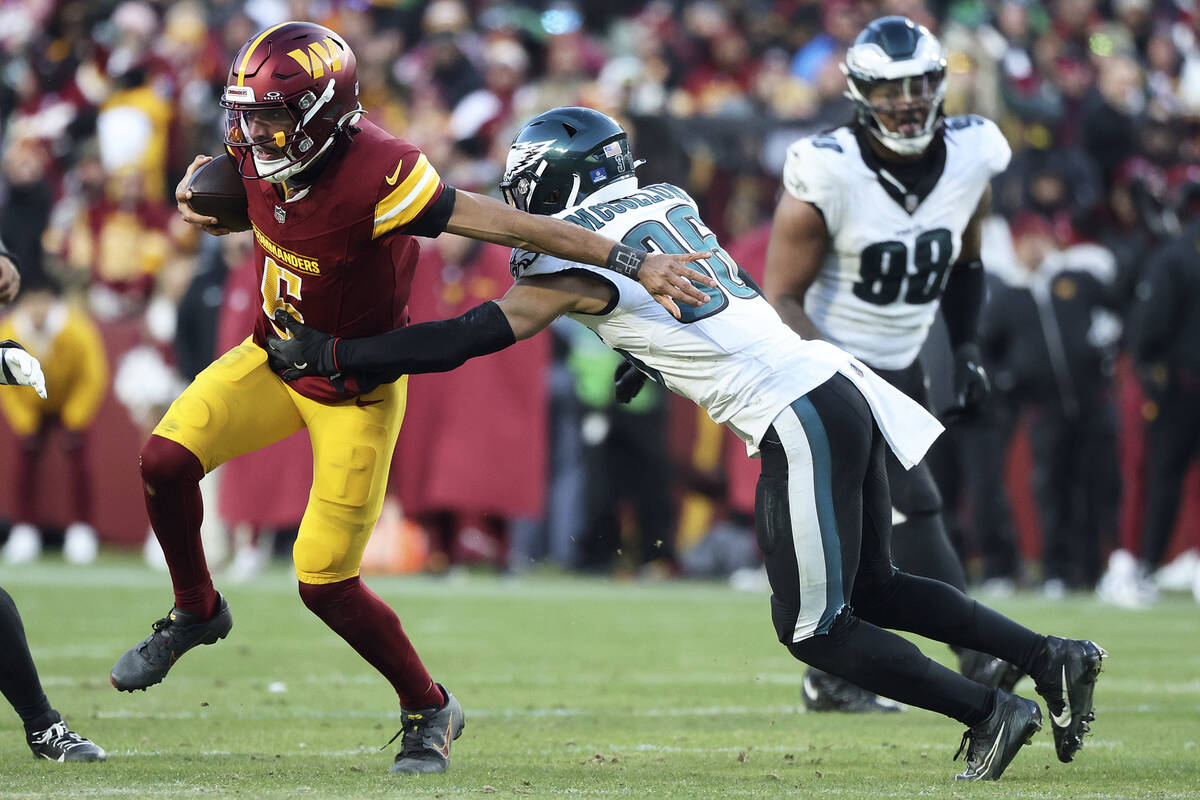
878, 292
733, 356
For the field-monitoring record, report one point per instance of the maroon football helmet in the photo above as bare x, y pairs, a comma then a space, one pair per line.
294, 86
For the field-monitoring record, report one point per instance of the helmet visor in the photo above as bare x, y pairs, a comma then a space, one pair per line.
268, 131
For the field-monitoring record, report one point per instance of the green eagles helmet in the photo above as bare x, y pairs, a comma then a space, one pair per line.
561, 157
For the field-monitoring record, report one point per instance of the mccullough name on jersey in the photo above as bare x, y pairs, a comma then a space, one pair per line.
889, 257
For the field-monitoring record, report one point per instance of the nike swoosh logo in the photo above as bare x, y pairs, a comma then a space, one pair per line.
395, 175
358, 401
299, 366
809, 691
1064, 719
445, 748
986, 766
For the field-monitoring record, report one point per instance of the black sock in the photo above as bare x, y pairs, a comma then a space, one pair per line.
1039, 662
922, 547
941, 612
18, 676
889, 665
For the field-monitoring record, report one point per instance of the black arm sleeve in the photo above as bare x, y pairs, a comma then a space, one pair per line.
962, 302
433, 220
429, 346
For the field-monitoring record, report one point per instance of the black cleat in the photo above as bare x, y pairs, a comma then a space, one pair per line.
60, 743
993, 743
989, 670
427, 734
825, 692
1066, 686
175, 634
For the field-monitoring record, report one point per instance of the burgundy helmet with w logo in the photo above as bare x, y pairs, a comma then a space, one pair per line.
298, 73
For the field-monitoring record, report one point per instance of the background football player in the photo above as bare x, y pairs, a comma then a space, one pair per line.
335, 202
46, 733
820, 419
879, 221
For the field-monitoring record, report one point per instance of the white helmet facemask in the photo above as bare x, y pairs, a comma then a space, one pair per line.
898, 100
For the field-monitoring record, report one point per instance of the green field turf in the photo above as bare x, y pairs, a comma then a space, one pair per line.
572, 687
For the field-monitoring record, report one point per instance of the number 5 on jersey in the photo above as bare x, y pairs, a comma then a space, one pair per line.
279, 286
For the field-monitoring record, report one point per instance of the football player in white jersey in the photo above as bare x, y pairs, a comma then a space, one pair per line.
878, 221
820, 419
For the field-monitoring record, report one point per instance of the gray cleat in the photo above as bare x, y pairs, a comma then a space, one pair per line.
148, 663
427, 734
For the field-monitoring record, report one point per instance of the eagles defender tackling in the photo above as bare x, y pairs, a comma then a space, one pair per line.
335, 203
879, 221
820, 419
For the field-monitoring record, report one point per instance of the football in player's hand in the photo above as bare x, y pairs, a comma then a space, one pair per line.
217, 191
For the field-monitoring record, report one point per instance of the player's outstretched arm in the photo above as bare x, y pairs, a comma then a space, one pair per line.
666, 276
528, 307
795, 254
183, 194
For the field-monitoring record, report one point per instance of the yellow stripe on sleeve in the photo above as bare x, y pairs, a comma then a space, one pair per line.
407, 200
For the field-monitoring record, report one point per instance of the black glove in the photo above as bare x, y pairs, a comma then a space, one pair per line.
971, 384
308, 352
629, 381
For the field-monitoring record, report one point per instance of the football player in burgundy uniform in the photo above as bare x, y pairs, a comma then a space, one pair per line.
335, 203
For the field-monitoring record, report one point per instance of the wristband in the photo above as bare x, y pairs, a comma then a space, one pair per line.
625, 260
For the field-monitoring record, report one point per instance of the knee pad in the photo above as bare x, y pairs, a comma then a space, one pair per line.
331, 542
843, 625
166, 462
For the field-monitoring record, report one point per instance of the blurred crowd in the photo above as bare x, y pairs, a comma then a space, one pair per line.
103, 104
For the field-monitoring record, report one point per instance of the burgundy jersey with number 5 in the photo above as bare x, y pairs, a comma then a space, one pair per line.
337, 256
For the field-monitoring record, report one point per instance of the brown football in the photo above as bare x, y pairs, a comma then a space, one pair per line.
217, 191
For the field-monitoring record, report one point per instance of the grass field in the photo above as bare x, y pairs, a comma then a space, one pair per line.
571, 687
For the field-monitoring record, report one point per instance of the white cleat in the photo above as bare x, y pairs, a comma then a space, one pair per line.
24, 544
1180, 574
1124, 585
80, 543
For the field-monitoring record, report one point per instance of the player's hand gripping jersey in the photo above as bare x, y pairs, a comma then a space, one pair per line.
340, 257
733, 356
890, 249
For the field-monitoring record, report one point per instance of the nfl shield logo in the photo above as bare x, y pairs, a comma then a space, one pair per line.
910, 203
280, 215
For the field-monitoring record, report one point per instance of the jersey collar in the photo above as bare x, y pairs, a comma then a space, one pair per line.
910, 183
609, 192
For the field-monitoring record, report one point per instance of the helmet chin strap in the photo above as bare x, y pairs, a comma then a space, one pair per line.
264, 165
901, 145
574, 191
